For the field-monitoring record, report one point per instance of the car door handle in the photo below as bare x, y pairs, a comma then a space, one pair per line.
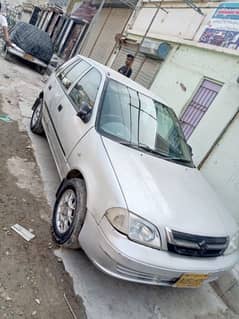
60, 107
49, 87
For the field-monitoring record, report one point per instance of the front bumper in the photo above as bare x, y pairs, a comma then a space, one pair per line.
116, 255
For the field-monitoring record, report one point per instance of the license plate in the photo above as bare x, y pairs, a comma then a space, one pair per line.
28, 57
191, 280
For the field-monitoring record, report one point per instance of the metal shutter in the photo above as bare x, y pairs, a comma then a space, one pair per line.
148, 71
114, 23
121, 57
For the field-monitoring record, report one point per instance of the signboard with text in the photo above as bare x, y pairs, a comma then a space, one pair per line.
223, 28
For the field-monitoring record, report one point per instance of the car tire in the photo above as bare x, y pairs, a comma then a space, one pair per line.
41, 69
69, 213
7, 55
36, 119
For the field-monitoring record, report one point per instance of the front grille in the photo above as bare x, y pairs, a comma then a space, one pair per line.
196, 246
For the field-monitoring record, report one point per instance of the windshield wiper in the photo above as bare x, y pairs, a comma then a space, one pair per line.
128, 144
183, 160
151, 150
144, 147
178, 159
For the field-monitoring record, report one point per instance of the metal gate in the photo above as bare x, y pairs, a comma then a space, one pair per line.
148, 72
198, 106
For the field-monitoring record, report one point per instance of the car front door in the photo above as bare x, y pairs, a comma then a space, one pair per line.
69, 127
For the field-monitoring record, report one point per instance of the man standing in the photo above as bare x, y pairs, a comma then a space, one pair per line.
127, 68
4, 25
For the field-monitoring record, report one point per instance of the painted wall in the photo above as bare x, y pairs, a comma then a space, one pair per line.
222, 168
177, 81
182, 23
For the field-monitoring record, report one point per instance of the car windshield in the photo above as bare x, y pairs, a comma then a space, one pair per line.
138, 121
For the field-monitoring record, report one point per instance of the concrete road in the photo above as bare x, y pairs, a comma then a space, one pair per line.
108, 298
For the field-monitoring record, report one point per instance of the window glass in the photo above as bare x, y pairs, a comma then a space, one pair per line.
143, 123
69, 75
164, 132
86, 89
115, 116
66, 65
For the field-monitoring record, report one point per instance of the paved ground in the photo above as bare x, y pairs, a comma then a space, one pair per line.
32, 280
22, 200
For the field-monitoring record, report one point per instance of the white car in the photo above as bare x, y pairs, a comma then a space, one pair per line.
130, 195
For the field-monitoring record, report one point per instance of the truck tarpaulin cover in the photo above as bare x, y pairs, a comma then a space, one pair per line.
33, 41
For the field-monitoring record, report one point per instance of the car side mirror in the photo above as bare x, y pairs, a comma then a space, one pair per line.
66, 83
84, 112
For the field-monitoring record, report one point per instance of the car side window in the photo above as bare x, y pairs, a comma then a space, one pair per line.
86, 89
69, 75
66, 65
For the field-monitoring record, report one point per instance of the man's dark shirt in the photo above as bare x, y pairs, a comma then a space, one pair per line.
125, 71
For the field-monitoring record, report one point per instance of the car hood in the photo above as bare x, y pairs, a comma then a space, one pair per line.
168, 194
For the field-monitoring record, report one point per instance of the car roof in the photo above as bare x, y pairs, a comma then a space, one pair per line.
110, 73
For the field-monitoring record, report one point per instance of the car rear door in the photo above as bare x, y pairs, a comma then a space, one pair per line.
53, 88
54, 95
70, 128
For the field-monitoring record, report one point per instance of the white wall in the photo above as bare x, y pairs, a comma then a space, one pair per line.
180, 77
177, 81
182, 23
222, 168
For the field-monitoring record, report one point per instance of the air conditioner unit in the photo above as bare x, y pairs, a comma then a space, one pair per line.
155, 49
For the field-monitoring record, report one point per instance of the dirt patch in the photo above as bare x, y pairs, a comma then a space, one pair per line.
26, 174
32, 280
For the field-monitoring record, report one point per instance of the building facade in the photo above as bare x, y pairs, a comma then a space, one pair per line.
110, 21
193, 66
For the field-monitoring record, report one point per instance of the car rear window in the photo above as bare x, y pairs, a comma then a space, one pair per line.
69, 75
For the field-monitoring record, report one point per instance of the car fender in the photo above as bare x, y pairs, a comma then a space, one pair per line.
91, 160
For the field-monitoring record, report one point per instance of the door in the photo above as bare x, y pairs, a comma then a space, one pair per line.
148, 72
54, 86
55, 92
198, 106
121, 57
144, 68
69, 127
102, 36
72, 40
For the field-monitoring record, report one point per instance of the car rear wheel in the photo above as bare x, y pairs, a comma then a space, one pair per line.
41, 69
36, 119
69, 213
7, 55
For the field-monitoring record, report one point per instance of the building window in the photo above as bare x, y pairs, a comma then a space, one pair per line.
198, 106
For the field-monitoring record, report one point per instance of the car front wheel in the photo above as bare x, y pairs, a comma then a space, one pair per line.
69, 213
36, 119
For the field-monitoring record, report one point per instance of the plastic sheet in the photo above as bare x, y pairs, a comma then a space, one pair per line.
33, 41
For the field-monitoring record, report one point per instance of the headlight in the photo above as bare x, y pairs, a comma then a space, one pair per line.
136, 228
119, 219
233, 244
